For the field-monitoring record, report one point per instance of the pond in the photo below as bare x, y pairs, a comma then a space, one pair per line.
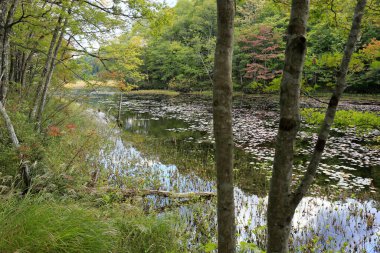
166, 143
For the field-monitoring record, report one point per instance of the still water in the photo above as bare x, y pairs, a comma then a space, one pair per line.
166, 143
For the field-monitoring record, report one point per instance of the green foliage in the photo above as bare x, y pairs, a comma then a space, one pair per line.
176, 47
274, 85
362, 121
32, 225
147, 234
249, 247
124, 60
43, 223
210, 246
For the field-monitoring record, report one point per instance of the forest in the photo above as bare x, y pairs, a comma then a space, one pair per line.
189, 126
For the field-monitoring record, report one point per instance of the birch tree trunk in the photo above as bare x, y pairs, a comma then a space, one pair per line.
279, 211
282, 203
222, 115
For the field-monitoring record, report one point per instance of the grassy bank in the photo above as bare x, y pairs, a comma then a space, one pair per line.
362, 121
43, 223
66, 210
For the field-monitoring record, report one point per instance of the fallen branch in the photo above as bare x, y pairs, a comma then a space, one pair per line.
168, 194
24, 165
128, 193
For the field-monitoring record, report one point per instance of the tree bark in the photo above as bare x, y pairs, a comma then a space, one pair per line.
282, 203
222, 115
333, 105
46, 85
6, 21
49, 57
279, 211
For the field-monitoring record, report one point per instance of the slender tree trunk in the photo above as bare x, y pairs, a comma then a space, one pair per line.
282, 203
42, 102
49, 57
6, 21
222, 115
333, 105
24, 69
119, 111
279, 211
9, 126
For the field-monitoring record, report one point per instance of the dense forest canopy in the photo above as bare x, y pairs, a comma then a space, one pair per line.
176, 50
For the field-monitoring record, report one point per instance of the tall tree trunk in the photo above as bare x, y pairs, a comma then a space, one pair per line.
333, 105
279, 211
222, 115
24, 69
42, 101
6, 21
282, 203
45, 71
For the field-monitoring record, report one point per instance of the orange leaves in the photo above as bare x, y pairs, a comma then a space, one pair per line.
372, 50
54, 131
71, 127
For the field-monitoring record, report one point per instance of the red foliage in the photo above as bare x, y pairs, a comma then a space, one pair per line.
71, 127
265, 50
54, 131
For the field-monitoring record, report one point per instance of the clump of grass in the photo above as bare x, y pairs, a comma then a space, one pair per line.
362, 121
148, 234
31, 225
43, 223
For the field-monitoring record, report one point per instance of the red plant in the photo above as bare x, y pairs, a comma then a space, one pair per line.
71, 127
54, 131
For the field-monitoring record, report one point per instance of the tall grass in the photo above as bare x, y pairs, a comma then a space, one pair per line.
31, 225
35, 224
147, 234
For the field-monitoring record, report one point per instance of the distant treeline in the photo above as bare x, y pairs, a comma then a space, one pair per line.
176, 49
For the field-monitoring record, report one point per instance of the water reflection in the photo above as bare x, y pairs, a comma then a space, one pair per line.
348, 224
319, 223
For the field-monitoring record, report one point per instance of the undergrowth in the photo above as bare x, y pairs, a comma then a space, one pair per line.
60, 213
45, 224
